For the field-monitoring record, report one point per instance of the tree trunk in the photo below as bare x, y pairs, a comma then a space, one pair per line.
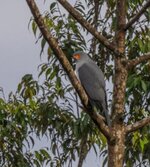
116, 145
116, 148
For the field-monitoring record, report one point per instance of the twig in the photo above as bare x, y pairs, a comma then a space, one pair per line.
83, 150
88, 26
137, 125
132, 63
138, 15
67, 67
96, 9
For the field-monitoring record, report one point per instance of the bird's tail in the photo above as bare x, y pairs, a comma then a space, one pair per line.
102, 110
107, 116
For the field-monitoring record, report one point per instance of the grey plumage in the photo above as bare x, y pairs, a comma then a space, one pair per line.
92, 79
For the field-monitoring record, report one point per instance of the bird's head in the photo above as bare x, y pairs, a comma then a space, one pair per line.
80, 56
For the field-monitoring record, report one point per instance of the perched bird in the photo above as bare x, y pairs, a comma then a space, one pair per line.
92, 80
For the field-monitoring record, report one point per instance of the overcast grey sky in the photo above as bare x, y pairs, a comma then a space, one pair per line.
19, 55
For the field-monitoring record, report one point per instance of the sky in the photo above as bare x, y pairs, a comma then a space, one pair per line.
19, 53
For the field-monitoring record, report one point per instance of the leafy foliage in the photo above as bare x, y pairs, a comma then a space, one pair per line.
49, 107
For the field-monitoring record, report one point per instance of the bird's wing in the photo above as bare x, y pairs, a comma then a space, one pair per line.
92, 81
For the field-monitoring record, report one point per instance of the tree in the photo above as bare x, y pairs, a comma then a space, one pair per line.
116, 35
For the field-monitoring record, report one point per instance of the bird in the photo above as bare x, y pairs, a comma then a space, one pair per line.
92, 79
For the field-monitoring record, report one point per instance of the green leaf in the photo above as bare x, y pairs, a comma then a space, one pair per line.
45, 153
19, 87
34, 27
144, 86
52, 5
43, 42
142, 145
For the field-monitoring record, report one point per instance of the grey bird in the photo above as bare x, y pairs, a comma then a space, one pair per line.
92, 80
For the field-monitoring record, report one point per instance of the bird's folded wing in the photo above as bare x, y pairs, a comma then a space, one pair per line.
92, 81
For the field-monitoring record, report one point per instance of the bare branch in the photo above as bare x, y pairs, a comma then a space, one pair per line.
137, 125
67, 67
96, 9
99, 121
87, 25
138, 15
84, 149
132, 63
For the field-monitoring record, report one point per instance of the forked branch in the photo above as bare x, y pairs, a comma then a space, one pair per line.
87, 25
137, 125
66, 65
132, 63
138, 15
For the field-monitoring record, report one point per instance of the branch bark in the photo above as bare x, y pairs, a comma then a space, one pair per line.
134, 62
137, 125
88, 26
67, 67
83, 150
96, 9
138, 15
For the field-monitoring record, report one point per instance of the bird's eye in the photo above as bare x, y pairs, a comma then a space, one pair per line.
77, 56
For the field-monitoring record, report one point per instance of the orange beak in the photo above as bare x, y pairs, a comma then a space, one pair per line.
76, 56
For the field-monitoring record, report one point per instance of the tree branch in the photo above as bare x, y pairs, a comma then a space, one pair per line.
137, 125
99, 121
67, 67
138, 15
83, 150
88, 26
132, 63
96, 9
